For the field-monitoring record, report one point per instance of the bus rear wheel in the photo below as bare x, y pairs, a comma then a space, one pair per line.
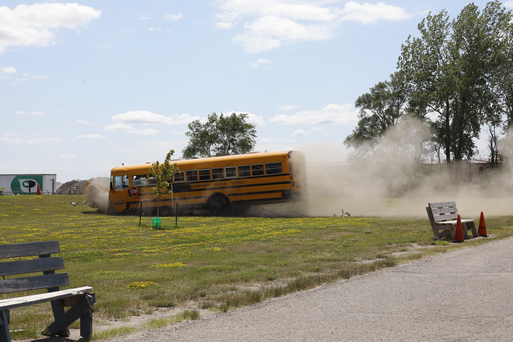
218, 205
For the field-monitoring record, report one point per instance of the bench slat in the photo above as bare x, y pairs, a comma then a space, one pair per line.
33, 283
17, 250
30, 266
445, 217
11, 303
444, 210
453, 222
442, 204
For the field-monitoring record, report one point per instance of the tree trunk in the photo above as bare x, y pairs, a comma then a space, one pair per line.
447, 137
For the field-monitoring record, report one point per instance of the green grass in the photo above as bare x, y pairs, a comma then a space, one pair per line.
215, 263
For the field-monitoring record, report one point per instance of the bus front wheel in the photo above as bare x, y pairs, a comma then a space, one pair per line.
218, 205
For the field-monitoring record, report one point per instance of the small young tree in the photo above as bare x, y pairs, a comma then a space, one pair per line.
162, 173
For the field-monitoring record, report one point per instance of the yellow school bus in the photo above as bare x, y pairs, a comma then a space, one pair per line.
220, 184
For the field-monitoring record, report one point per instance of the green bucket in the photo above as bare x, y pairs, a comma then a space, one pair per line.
156, 222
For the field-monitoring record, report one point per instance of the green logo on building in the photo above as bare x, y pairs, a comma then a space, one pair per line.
26, 184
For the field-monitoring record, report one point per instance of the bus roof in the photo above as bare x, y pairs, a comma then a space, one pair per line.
210, 160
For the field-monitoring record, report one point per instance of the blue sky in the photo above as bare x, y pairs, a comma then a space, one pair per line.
87, 86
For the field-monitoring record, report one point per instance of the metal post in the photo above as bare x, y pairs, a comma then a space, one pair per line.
140, 213
176, 214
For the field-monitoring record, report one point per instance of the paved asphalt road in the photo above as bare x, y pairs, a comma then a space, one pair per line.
465, 295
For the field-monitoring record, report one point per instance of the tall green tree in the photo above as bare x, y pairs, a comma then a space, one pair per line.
428, 69
451, 68
162, 174
220, 135
379, 110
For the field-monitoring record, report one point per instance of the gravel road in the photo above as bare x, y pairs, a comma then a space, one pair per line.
466, 295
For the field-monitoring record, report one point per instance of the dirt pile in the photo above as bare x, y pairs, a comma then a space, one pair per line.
72, 187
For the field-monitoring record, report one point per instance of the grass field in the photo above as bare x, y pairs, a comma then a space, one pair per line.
208, 262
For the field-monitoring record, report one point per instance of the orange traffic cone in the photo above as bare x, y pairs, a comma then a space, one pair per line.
458, 233
38, 189
482, 227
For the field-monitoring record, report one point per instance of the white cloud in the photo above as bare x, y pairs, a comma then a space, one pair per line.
125, 128
35, 77
142, 117
34, 25
332, 114
260, 62
155, 29
256, 120
233, 10
143, 18
148, 131
173, 17
83, 122
9, 70
67, 156
368, 13
508, 4
12, 141
225, 26
300, 133
124, 122
118, 127
20, 112
270, 32
288, 107
89, 136
268, 24
45, 140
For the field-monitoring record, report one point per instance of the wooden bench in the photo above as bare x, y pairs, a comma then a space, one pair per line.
80, 299
443, 217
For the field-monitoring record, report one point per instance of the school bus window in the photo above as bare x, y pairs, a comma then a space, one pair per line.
192, 175
297, 167
231, 172
244, 171
217, 173
291, 167
179, 177
140, 180
272, 168
257, 169
151, 180
204, 174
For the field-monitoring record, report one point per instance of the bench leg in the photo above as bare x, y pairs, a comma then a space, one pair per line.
84, 307
465, 231
4, 326
474, 229
58, 311
86, 325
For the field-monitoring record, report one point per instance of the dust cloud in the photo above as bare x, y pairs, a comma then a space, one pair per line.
389, 179
97, 194
385, 179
